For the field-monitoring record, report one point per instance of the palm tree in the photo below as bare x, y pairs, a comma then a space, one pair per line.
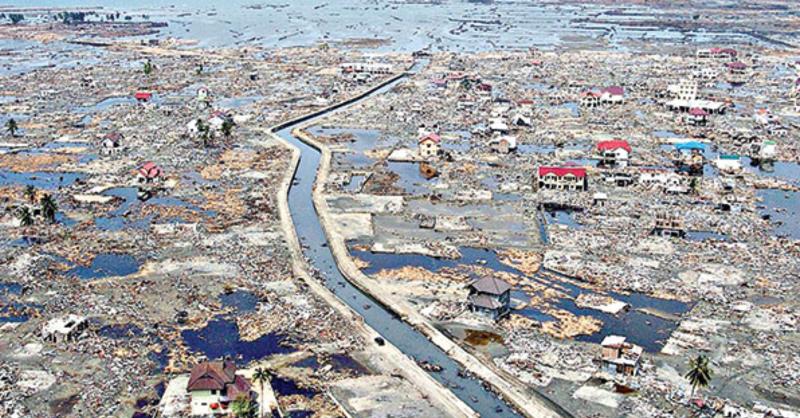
261, 376
49, 208
242, 407
699, 374
30, 193
25, 217
226, 127
12, 127
204, 131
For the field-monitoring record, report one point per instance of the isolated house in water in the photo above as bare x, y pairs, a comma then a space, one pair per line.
490, 297
214, 385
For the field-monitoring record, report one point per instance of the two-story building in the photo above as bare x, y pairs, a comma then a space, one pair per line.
562, 178
429, 145
491, 297
620, 357
614, 152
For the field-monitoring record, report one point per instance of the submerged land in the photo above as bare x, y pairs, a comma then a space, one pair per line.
412, 215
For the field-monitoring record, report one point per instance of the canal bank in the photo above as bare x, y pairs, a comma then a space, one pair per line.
327, 253
387, 354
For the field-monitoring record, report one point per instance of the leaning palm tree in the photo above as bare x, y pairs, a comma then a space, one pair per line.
261, 376
699, 374
12, 127
30, 193
25, 217
49, 208
242, 407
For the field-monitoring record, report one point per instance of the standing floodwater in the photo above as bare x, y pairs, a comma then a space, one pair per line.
409, 341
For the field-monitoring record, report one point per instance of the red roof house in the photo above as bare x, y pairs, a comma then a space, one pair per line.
697, 112
214, 384
150, 171
562, 178
578, 172
736, 65
614, 91
614, 144
432, 136
211, 375
143, 96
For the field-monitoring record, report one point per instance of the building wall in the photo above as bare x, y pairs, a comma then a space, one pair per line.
202, 400
562, 183
428, 149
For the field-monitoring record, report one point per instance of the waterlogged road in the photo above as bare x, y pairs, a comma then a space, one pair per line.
403, 336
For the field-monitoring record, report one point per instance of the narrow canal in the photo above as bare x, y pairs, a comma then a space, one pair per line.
393, 329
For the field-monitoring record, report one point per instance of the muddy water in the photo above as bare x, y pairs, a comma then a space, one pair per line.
407, 339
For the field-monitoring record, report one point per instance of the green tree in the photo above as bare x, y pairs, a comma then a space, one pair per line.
243, 407
204, 131
699, 374
199, 69
12, 127
25, 217
694, 185
261, 376
148, 67
49, 208
30, 193
227, 127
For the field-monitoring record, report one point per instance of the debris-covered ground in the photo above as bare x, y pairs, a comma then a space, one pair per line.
139, 200
584, 265
625, 170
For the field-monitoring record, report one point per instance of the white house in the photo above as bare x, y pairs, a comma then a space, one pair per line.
614, 152
429, 145
203, 94
366, 67
111, 144
685, 90
728, 164
612, 95
67, 328
503, 144
214, 385
498, 125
